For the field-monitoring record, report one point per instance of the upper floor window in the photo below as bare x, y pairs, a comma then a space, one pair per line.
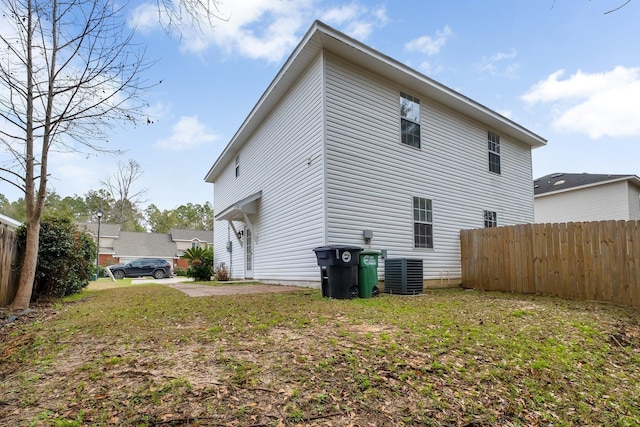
238, 165
410, 120
493, 142
422, 223
490, 219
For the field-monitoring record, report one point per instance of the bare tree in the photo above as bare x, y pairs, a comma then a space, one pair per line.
127, 200
175, 15
619, 7
615, 9
68, 72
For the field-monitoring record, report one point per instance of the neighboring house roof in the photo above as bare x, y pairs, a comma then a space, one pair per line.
560, 181
181, 235
106, 230
138, 244
319, 37
9, 222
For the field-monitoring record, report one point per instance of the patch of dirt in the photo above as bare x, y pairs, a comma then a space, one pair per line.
12, 320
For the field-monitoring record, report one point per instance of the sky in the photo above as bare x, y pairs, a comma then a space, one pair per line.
568, 70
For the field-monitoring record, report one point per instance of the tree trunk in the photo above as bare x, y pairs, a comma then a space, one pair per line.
28, 273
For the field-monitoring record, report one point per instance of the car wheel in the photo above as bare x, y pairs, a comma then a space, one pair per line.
118, 274
158, 274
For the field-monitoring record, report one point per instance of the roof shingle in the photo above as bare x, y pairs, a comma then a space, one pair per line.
563, 181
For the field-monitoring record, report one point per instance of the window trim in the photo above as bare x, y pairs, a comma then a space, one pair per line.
237, 163
404, 119
422, 220
493, 149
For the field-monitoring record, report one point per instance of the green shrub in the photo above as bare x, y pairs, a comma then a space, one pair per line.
66, 257
181, 272
200, 263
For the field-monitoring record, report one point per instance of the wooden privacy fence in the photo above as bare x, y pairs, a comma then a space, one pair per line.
592, 261
8, 255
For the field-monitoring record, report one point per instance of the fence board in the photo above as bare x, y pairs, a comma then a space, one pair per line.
579, 265
511, 257
621, 269
597, 261
633, 256
593, 266
530, 284
541, 247
8, 253
571, 282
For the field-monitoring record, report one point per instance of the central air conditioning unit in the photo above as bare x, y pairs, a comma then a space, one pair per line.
403, 276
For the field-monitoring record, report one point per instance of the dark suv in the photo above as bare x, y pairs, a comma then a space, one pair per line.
158, 268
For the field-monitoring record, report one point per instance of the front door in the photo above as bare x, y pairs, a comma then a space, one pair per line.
248, 254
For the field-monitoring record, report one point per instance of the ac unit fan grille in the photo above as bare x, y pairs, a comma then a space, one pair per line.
403, 276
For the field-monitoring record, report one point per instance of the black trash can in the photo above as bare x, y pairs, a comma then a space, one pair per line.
338, 270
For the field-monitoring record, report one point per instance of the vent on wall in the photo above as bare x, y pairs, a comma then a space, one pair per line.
403, 276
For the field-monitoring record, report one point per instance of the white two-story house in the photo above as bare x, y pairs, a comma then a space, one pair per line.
346, 139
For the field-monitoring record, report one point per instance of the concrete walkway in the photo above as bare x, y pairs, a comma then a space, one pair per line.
168, 281
194, 290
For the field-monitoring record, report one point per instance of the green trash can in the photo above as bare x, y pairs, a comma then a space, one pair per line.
368, 274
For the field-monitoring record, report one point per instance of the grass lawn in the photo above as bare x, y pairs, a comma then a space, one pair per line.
148, 355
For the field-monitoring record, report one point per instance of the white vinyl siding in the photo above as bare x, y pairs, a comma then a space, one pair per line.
371, 178
283, 159
595, 203
634, 202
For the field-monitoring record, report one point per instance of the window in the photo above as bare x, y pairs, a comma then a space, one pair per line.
249, 248
490, 219
195, 243
410, 120
493, 141
422, 223
238, 165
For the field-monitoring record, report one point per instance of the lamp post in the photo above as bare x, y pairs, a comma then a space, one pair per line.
99, 215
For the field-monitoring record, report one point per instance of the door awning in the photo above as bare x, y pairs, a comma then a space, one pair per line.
238, 210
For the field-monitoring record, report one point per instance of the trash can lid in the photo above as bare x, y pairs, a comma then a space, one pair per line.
339, 247
369, 252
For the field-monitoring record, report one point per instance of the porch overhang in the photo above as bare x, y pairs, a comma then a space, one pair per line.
239, 210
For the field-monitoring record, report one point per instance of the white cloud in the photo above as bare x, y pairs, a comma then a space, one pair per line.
430, 45
355, 20
187, 134
75, 172
263, 29
598, 104
340, 15
431, 69
500, 65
